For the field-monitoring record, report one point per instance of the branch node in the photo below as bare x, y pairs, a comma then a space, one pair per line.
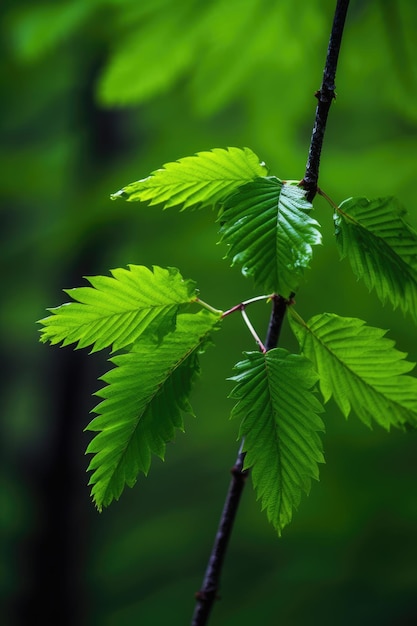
207, 595
238, 473
325, 96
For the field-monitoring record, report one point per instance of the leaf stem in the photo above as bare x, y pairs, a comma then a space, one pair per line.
237, 307
209, 307
324, 195
337, 208
242, 305
252, 330
297, 317
325, 95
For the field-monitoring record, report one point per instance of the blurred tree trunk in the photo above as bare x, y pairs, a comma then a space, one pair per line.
53, 559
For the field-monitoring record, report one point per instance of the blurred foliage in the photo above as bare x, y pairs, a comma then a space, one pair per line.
99, 93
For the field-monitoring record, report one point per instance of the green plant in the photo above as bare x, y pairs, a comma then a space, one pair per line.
158, 326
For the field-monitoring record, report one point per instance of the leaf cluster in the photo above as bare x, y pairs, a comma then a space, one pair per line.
267, 226
141, 315
265, 222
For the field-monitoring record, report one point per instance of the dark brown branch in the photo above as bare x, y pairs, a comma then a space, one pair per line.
325, 96
209, 591
279, 308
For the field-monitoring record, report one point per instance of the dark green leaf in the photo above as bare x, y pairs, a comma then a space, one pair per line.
143, 403
381, 248
280, 421
270, 233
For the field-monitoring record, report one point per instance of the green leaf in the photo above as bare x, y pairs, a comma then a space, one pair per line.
117, 310
360, 368
280, 421
381, 248
201, 180
270, 233
143, 403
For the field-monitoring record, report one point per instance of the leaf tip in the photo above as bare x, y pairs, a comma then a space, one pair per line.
119, 194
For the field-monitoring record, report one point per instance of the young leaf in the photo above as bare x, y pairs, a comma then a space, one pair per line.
360, 368
201, 180
269, 233
280, 421
381, 248
116, 310
143, 402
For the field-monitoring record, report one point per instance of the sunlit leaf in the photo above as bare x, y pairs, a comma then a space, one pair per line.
144, 400
381, 248
280, 422
116, 310
200, 180
269, 231
360, 368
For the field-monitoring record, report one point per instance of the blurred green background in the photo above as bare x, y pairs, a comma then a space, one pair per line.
96, 94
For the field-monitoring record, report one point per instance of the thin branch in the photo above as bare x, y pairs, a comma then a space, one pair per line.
279, 308
325, 96
208, 593
209, 590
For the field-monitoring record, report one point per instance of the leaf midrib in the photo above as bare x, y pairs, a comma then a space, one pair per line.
137, 420
356, 376
403, 265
